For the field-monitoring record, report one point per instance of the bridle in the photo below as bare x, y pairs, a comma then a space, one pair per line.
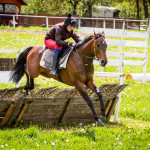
88, 57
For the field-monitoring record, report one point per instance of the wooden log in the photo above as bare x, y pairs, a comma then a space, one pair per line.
22, 111
15, 112
114, 101
7, 115
64, 110
108, 107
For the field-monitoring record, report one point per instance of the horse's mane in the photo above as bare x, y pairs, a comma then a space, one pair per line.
87, 39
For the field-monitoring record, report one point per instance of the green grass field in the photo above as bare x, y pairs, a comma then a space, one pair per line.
131, 132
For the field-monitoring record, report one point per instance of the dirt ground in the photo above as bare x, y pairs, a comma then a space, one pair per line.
32, 32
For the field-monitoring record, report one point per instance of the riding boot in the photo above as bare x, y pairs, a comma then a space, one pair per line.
54, 64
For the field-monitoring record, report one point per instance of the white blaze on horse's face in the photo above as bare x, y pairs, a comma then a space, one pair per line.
100, 50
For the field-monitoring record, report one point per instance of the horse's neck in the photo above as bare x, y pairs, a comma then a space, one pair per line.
88, 48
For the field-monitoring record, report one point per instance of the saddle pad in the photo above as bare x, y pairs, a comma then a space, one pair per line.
63, 61
48, 55
47, 59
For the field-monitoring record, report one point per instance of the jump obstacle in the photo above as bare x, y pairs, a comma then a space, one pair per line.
53, 105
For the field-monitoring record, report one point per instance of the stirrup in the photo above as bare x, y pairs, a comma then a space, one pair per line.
54, 73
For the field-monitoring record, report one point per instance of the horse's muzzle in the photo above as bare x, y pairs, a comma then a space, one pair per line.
103, 63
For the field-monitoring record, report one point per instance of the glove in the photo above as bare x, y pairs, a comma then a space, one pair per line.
72, 44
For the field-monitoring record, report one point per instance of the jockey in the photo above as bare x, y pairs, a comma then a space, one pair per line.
56, 36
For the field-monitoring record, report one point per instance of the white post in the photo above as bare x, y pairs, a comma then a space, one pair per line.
144, 68
47, 23
121, 62
104, 23
14, 22
114, 25
123, 30
119, 99
79, 23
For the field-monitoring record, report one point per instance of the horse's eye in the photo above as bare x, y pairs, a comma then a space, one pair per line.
98, 45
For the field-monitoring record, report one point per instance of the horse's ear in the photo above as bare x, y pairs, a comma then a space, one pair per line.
103, 34
95, 35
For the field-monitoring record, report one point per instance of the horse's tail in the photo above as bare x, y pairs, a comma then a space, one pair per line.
19, 68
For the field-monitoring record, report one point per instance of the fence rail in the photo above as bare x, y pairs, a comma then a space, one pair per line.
101, 22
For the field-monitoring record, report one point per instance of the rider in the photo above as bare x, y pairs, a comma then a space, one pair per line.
56, 36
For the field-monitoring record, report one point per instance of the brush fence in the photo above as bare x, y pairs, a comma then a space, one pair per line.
53, 105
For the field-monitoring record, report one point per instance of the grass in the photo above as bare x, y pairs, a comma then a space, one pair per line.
126, 135
33, 28
132, 131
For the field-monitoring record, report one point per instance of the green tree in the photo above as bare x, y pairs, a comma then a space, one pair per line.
34, 6
134, 8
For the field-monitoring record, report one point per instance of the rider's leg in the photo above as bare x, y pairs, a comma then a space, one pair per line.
51, 44
54, 63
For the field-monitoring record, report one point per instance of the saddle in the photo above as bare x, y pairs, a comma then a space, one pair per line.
47, 58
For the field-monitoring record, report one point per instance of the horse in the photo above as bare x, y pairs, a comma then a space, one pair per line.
78, 73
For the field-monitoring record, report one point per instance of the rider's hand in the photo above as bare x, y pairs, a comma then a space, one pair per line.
71, 44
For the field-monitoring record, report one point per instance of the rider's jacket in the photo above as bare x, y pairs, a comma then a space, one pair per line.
59, 33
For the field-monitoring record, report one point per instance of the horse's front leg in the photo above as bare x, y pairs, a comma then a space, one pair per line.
80, 87
95, 89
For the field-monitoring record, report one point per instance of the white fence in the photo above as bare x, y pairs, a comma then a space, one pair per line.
114, 32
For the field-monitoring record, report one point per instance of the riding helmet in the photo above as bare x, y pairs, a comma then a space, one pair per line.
70, 21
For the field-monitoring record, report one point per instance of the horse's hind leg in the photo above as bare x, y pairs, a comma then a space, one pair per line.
30, 82
80, 87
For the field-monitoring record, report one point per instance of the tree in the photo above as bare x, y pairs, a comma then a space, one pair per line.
137, 5
74, 4
145, 5
85, 7
34, 6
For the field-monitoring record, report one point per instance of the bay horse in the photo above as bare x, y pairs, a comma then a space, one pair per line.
78, 73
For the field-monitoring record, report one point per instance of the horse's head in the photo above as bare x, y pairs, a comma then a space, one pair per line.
100, 47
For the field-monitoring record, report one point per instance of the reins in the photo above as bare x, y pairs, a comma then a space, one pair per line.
88, 57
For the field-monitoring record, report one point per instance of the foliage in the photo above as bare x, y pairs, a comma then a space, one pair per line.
133, 8
34, 6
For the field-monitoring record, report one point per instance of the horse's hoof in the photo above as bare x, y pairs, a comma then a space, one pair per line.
26, 88
31, 88
102, 118
100, 123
